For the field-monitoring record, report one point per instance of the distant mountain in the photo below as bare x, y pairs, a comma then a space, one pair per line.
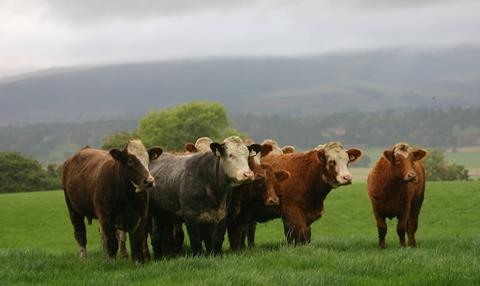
335, 83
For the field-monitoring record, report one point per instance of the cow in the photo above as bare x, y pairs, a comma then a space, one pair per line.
313, 174
396, 186
110, 186
195, 189
288, 149
247, 199
275, 148
201, 145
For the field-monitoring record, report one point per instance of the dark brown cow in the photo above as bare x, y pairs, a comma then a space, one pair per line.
396, 186
109, 186
247, 199
313, 175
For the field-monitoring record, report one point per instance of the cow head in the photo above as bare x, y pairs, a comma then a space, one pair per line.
402, 157
287, 149
275, 148
134, 160
271, 183
233, 156
201, 145
336, 160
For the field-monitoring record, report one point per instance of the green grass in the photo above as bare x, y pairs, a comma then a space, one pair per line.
37, 247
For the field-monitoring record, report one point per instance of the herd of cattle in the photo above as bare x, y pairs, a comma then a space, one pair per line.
214, 188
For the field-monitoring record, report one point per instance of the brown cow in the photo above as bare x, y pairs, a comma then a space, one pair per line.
313, 175
109, 186
396, 186
248, 198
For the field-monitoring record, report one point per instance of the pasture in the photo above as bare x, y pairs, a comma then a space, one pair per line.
37, 247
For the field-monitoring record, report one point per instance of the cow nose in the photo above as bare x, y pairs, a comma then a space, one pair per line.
248, 175
347, 178
149, 182
272, 202
411, 176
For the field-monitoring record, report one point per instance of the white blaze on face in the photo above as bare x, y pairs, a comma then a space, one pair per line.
402, 149
135, 147
203, 144
235, 160
334, 152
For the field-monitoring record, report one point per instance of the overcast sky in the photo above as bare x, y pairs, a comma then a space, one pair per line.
37, 34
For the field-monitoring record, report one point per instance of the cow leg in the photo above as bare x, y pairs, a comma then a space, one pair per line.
412, 223
193, 230
136, 245
234, 234
121, 237
218, 237
178, 237
110, 242
156, 239
80, 232
288, 231
382, 229
298, 231
145, 251
402, 226
251, 228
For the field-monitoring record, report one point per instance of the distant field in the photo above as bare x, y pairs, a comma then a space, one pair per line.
37, 247
468, 157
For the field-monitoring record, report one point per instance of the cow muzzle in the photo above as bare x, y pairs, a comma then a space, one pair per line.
271, 201
410, 177
245, 176
344, 179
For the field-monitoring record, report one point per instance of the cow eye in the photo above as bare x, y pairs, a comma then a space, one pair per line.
397, 161
331, 162
130, 162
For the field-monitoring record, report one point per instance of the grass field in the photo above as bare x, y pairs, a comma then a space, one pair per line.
37, 247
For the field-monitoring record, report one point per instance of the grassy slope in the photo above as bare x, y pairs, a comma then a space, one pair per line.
37, 247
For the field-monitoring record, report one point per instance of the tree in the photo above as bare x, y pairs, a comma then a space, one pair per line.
437, 169
118, 139
22, 174
173, 127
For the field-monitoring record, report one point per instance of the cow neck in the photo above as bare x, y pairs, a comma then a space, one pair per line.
320, 187
123, 186
219, 184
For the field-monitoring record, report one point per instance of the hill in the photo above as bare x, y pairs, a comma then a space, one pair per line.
334, 83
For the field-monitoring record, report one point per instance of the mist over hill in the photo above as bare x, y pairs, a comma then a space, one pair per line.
335, 83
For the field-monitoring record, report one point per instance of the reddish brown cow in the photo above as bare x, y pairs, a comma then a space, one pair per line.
109, 186
247, 199
396, 186
313, 175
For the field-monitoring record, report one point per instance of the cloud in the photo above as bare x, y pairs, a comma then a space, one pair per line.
38, 34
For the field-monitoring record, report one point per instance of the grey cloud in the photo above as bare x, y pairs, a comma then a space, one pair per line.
92, 11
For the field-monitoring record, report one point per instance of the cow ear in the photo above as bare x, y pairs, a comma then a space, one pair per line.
254, 149
389, 155
288, 149
266, 149
354, 154
321, 155
419, 154
282, 175
118, 154
217, 149
154, 153
190, 147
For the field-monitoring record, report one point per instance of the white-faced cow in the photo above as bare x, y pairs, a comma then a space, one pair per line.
195, 189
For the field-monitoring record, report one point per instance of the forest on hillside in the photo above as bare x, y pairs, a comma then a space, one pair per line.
438, 128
